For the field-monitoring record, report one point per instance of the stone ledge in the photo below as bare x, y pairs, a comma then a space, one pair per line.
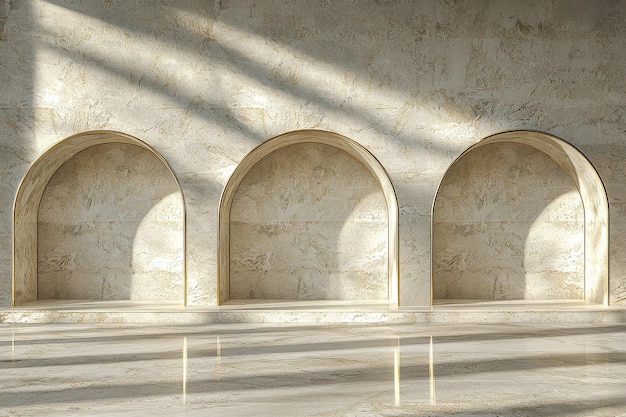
310, 312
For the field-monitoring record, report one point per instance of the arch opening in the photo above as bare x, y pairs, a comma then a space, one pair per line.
293, 225
566, 259
99, 216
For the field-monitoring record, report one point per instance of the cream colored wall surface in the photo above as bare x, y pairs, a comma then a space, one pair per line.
309, 222
110, 227
508, 223
416, 83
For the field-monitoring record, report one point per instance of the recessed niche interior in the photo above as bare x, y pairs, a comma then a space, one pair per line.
106, 217
521, 216
309, 222
508, 225
308, 215
110, 228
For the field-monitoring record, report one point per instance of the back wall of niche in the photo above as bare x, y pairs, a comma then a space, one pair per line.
508, 225
109, 224
309, 215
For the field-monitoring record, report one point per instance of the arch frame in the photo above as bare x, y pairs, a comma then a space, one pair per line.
354, 149
29, 194
593, 195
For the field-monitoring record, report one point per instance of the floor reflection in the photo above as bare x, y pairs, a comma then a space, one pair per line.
369, 370
431, 374
184, 369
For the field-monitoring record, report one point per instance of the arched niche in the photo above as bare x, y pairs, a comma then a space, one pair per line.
592, 194
275, 144
31, 191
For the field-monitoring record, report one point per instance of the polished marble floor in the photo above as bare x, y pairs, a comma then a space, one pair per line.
513, 369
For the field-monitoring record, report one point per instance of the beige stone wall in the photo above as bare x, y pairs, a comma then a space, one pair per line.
416, 83
508, 223
110, 227
309, 222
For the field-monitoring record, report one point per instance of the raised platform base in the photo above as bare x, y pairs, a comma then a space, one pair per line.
281, 311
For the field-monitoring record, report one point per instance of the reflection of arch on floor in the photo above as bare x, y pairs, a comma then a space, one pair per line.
592, 193
29, 195
297, 137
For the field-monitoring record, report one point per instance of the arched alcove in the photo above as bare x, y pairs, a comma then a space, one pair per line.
586, 238
85, 218
299, 162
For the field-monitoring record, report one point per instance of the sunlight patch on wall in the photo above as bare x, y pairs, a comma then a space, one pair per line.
554, 248
157, 260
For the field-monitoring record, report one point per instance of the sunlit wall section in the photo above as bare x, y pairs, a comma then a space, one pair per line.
205, 82
508, 223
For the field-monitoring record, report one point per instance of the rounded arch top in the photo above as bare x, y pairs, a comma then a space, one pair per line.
571, 159
56, 155
29, 194
351, 147
592, 192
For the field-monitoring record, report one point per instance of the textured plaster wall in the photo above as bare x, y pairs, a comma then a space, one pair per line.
309, 222
508, 223
416, 83
110, 227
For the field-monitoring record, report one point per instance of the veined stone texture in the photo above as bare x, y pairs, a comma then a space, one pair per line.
415, 82
508, 224
309, 222
111, 228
